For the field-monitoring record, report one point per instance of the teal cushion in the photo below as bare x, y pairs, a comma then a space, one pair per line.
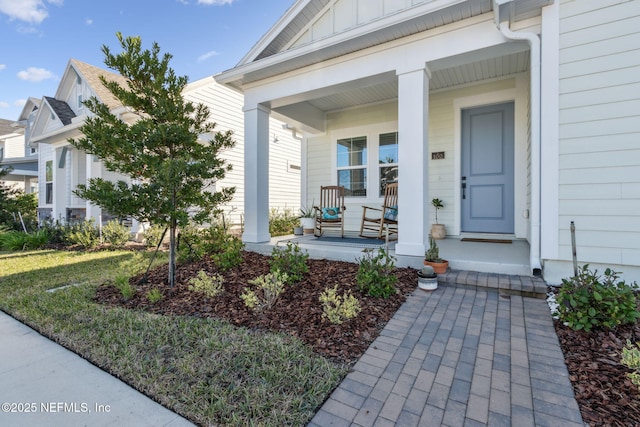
330, 213
391, 213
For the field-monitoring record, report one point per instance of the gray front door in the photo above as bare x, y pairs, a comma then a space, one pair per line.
487, 169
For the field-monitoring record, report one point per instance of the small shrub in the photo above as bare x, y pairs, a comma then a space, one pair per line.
270, 286
338, 308
56, 233
291, 260
210, 286
116, 234
152, 235
631, 359
154, 295
231, 254
191, 244
375, 275
282, 223
85, 234
588, 300
124, 286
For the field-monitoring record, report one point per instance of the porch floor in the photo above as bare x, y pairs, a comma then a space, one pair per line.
503, 266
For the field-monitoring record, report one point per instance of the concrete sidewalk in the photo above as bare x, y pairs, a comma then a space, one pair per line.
44, 384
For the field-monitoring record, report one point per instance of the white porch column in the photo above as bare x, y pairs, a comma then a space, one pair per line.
94, 170
256, 174
413, 149
60, 184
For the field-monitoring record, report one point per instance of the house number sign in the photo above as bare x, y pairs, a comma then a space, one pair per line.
437, 155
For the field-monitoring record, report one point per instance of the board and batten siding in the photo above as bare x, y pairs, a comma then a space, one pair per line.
225, 107
373, 119
599, 132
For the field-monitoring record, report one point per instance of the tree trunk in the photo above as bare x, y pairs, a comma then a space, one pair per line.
172, 254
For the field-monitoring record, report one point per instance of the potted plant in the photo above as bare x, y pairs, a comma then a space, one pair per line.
427, 278
432, 258
438, 231
307, 221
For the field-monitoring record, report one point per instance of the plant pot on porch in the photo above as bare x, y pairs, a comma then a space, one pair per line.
307, 224
438, 231
439, 267
427, 279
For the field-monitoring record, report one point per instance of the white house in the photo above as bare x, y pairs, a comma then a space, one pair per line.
50, 122
522, 115
17, 156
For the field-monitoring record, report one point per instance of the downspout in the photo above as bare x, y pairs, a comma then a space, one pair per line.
534, 45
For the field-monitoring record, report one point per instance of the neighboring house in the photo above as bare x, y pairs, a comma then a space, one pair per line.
52, 121
521, 115
21, 158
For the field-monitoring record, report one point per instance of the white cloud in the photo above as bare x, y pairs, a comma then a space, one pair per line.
88, 21
33, 74
4, 104
207, 55
19, 102
31, 11
215, 2
3, 66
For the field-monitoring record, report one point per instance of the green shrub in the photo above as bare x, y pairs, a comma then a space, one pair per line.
154, 295
270, 286
56, 233
152, 235
210, 286
124, 286
631, 359
291, 260
282, 223
375, 274
116, 234
21, 241
85, 234
231, 254
588, 300
338, 308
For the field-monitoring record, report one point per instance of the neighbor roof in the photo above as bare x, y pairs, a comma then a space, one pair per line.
91, 74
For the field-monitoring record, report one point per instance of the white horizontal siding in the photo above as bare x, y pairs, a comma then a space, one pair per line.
599, 130
225, 106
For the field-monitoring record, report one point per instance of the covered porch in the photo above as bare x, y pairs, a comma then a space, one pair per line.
359, 87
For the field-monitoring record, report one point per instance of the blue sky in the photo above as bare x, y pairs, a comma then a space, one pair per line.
38, 37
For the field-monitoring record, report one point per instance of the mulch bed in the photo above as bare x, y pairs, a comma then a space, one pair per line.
604, 393
297, 312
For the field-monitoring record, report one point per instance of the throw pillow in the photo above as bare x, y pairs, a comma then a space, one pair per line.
391, 213
330, 213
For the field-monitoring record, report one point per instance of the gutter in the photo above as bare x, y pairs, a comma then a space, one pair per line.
534, 44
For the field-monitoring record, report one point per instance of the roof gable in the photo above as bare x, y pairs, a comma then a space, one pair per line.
90, 75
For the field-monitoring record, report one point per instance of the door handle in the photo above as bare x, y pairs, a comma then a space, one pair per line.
463, 184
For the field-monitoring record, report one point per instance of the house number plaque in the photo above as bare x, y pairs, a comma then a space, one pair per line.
437, 155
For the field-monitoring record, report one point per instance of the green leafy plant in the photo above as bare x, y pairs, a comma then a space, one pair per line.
21, 241
291, 260
307, 211
269, 288
84, 233
338, 308
152, 235
433, 253
631, 359
375, 274
124, 286
116, 234
281, 223
154, 295
231, 254
206, 284
589, 300
438, 204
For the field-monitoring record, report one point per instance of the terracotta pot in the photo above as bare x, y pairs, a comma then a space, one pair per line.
438, 231
438, 267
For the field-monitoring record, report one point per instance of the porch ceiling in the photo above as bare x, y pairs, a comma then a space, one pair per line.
442, 77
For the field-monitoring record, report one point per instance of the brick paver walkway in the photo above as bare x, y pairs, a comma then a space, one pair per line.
466, 354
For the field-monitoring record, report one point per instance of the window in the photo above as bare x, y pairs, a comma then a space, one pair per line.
80, 101
49, 182
388, 159
352, 166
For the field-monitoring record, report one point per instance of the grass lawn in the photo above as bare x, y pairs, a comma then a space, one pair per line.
206, 370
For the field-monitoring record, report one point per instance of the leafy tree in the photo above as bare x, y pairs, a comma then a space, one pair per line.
14, 200
171, 169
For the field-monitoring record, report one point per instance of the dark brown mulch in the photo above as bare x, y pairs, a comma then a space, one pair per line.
298, 311
604, 393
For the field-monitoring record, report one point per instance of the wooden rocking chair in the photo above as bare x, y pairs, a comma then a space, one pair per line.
377, 222
330, 213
